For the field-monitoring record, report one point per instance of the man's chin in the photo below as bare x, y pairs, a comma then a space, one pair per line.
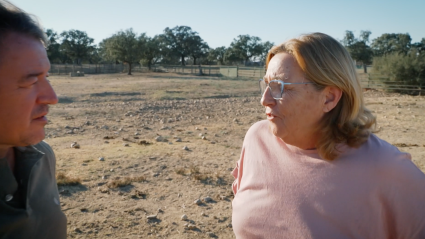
33, 139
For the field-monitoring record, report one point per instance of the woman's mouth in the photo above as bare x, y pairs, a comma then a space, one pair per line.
270, 116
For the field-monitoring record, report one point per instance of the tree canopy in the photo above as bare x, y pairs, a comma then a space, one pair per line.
76, 45
125, 47
391, 43
183, 42
358, 48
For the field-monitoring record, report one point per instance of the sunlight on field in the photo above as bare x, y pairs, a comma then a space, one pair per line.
182, 135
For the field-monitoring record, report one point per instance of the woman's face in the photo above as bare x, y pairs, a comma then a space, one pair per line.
294, 117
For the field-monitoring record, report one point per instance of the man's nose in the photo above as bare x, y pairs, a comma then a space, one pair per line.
47, 95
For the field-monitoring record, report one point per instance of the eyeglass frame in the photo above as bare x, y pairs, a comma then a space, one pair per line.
282, 83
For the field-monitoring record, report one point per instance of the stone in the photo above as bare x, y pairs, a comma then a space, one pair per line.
178, 140
75, 145
159, 139
185, 148
101, 159
191, 226
184, 217
197, 202
204, 138
126, 145
211, 234
207, 199
150, 217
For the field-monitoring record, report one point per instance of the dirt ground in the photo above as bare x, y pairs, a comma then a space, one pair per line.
162, 146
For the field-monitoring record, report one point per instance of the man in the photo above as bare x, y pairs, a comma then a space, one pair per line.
29, 199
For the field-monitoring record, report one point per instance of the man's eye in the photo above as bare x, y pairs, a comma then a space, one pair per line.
29, 83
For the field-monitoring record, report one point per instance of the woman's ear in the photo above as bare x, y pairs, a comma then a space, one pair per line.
332, 96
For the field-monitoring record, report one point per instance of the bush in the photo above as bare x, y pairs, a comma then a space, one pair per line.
401, 69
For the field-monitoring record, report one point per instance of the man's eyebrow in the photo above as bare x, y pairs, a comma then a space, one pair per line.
30, 75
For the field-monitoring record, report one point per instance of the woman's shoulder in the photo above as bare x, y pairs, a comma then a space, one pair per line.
389, 161
381, 149
258, 128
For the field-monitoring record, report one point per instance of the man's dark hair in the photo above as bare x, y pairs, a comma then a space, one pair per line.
13, 19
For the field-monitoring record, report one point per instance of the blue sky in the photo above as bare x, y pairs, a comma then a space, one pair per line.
219, 22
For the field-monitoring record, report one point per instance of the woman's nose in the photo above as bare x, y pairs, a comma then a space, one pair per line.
267, 99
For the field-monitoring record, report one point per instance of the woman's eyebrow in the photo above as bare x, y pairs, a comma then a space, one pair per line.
281, 76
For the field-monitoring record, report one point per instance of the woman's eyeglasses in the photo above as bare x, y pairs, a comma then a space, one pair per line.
276, 87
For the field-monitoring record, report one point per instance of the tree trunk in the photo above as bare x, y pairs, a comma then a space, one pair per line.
182, 60
194, 60
129, 68
149, 65
364, 68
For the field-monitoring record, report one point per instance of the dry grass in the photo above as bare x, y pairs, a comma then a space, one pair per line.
63, 180
180, 171
122, 182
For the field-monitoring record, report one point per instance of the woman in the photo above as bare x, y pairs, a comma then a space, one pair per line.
314, 169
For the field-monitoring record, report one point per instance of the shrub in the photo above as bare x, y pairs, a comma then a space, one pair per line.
401, 69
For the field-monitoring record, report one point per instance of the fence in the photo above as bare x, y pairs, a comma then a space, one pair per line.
382, 82
368, 81
66, 69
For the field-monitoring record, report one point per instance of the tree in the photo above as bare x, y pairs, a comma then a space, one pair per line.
419, 47
358, 48
124, 47
53, 48
265, 48
391, 43
244, 47
180, 40
198, 48
217, 55
76, 45
154, 49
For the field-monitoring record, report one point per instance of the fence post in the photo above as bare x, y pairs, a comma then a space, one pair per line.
237, 71
209, 70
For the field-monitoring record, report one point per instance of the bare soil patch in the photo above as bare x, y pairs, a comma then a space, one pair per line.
157, 146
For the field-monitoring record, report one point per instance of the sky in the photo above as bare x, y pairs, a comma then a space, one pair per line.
219, 22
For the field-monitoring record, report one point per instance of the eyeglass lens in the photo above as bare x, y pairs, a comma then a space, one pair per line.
275, 88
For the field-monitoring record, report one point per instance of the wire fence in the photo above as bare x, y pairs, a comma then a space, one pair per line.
368, 81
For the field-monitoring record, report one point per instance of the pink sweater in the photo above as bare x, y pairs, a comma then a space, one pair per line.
282, 191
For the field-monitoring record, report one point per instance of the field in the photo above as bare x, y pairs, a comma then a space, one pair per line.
162, 145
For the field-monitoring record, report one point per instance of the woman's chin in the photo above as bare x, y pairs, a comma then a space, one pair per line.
275, 129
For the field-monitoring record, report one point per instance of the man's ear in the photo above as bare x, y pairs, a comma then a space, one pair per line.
332, 96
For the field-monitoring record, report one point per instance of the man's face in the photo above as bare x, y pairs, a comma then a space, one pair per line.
25, 93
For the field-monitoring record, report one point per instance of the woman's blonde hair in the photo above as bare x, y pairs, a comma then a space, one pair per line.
327, 63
